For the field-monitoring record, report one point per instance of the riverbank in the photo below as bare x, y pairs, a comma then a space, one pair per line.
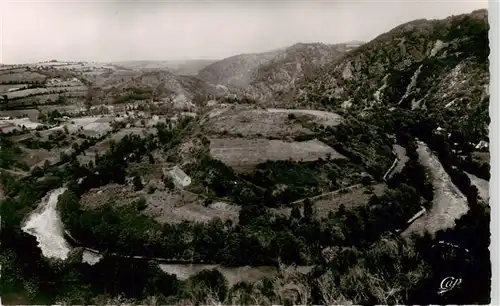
55, 242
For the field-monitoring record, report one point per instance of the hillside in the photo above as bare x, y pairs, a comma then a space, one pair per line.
162, 86
265, 76
436, 67
235, 71
280, 75
51, 83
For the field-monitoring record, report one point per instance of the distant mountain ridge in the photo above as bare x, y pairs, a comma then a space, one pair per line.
181, 67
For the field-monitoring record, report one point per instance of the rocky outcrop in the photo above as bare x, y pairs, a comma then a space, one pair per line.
433, 66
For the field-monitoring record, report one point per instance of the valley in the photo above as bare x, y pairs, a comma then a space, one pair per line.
316, 173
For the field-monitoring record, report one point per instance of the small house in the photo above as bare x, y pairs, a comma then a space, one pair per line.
180, 177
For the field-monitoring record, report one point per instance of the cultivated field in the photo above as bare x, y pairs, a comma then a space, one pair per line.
253, 123
320, 117
240, 152
91, 126
37, 157
28, 101
6, 88
40, 91
21, 76
57, 82
20, 122
63, 109
32, 113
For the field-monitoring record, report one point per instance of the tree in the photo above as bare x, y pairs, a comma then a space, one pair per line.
207, 282
168, 182
295, 215
151, 159
141, 204
249, 213
286, 247
137, 181
341, 211
37, 172
308, 209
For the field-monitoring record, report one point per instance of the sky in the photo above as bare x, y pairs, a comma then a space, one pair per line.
104, 31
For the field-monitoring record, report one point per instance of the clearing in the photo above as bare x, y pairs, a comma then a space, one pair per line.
91, 126
244, 122
21, 122
350, 197
165, 206
37, 157
240, 152
321, 117
175, 206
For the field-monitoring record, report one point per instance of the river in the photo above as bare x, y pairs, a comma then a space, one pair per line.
448, 205
45, 224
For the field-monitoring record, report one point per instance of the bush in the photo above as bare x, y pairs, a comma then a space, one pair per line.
151, 189
168, 182
141, 204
